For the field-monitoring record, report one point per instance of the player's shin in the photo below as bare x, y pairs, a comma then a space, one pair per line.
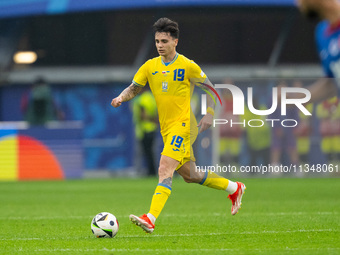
159, 199
213, 180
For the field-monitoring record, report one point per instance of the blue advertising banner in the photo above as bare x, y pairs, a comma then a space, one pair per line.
107, 133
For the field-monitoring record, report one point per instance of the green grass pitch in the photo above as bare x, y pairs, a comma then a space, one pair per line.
278, 216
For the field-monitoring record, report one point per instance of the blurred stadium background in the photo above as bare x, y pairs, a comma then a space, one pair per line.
88, 51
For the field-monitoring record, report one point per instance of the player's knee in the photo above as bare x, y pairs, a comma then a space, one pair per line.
192, 176
188, 179
192, 179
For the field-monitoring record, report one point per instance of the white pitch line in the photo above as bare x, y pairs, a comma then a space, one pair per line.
45, 217
172, 250
183, 235
131, 250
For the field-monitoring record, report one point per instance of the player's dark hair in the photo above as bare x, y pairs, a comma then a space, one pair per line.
168, 26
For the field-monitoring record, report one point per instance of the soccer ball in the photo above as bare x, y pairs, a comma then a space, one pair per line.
104, 225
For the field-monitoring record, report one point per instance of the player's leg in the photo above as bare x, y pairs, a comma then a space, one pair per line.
191, 174
166, 170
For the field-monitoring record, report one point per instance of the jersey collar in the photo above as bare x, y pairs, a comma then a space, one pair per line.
167, 64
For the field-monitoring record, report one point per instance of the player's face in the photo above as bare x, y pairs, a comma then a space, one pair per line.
165, 44
310, 8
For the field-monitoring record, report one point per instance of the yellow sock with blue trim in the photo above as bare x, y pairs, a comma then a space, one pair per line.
213, 180
159, 199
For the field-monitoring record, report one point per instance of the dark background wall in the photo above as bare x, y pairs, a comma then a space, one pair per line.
225, 35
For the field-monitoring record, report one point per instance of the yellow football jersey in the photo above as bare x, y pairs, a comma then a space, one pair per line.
172, 85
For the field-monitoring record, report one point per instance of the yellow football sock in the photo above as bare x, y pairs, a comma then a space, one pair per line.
159, 199
213, 180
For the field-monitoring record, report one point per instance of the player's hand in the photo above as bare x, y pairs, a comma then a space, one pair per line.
116, 102
205, 122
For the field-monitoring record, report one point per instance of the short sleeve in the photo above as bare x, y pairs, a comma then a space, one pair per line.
195, 71
140, 79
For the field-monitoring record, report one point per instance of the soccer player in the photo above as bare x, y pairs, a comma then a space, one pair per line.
327, 36
172, 78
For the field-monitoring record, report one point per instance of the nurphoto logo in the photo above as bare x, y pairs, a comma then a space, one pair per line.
301, 97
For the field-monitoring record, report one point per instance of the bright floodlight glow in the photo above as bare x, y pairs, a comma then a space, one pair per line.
25, 57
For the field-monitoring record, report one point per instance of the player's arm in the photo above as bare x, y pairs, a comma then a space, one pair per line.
207, 119
126, 95
211, 101
322, 89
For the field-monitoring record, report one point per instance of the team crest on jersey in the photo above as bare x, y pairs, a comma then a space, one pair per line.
165, 73
164, 86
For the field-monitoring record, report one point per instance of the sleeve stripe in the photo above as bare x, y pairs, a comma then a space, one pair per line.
137, 84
